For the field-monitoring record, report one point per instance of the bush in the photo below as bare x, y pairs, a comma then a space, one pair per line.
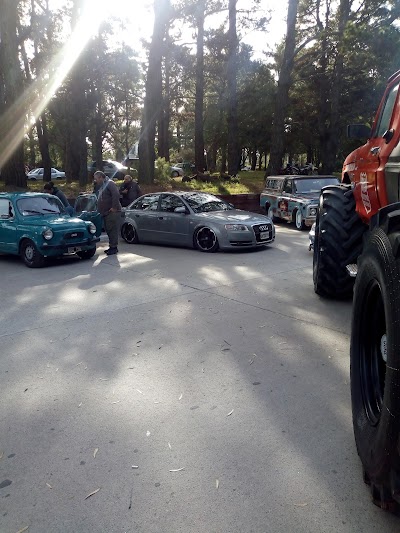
162, 172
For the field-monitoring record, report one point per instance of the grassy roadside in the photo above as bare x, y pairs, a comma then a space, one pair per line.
249, 182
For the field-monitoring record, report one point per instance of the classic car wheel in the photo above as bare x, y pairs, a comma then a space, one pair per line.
129, 234
271, 215
30, 255
205, 240
86, 254
299, 221
374, 364
338, 242
174, 174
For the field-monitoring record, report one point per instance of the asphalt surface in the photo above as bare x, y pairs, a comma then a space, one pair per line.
166, 390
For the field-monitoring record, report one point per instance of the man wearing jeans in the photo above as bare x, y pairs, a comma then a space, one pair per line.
109, 208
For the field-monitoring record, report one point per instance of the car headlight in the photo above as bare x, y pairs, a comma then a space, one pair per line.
92, 228
236, 227
313, 211
48, 234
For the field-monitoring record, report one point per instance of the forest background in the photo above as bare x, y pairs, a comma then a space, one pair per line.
72, 90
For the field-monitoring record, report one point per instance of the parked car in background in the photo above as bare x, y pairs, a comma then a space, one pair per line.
294, 198
194, 219
36, 226
176, 171
112, 169
37, 174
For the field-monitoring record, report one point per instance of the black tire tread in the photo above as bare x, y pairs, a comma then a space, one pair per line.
340, 240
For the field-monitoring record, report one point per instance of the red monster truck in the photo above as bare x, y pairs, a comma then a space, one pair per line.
358, 235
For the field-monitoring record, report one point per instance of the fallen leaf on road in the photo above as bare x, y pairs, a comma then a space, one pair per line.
118, 401
148, 433
180, 397
177, 469
1, 455
48, 484
169, 446
103, 379
217, 483
23, 529
301, 504
135, 466
80, 404
95, 452
230, 412
139, 391
91, 494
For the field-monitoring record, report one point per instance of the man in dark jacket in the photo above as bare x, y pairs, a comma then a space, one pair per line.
50, 188
109, 208
129, 191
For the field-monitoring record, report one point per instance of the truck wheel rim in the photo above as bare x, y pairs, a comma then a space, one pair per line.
373, 352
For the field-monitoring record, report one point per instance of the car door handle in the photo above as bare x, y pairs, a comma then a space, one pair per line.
375, 150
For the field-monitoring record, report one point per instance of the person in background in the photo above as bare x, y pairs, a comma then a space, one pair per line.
50, 188
109, 208
129, 191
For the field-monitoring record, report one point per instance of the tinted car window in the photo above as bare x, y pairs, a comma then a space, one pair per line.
204, 203
147, 202
313, 184
169, 202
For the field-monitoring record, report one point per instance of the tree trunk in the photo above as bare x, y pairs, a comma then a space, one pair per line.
153, 97
76, 156
11, 122
330, 147
199, 102
233, 130
282, 96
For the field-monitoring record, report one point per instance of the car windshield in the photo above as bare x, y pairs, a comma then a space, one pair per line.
313, 184
204, 203
40, 205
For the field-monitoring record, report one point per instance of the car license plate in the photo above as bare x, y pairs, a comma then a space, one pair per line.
74, 249
264, 235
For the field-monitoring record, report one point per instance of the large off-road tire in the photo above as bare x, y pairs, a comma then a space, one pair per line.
299, 220
375, 365
338, 242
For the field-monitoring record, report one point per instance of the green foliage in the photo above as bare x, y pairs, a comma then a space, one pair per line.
162, 172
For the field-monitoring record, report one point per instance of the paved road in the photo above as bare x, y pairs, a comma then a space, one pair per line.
194, 392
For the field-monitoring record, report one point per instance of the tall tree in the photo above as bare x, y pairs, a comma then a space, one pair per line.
282, 97
11, 89
232, 67
153, 97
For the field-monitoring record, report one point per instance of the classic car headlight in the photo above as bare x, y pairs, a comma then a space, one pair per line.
313, 211
48, 234
92, 228
236, 227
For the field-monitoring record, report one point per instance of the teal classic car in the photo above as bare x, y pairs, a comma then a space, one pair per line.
294, 198
36, 226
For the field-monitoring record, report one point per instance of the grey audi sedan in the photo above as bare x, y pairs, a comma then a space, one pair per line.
194, 219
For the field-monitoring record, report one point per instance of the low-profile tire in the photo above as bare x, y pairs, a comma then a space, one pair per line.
299, 220
129, 233
206, 240
86, 254
338, 242
31, 255
375, 366
271, 215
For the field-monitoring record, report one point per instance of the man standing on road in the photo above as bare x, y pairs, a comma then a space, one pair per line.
109, 208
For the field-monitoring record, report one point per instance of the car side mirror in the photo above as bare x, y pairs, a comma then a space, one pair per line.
180, 210
358, 131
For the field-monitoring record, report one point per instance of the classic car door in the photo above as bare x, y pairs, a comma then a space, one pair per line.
86, 209
8, 227
173, 227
